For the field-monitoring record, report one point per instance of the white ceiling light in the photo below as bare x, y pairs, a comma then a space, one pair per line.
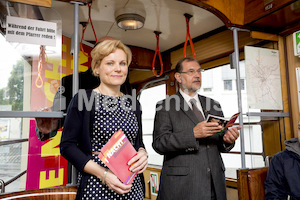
130, 19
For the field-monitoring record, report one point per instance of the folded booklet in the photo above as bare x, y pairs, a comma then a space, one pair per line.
116, 154
225, 123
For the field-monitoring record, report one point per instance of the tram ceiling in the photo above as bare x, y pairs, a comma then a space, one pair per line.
166, 16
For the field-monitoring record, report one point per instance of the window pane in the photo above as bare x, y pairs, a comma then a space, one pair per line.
30, 73
227, 85
242, 84
149, 106
29, 77
253, 143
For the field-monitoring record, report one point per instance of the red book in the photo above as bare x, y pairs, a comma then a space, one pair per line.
222, 121
116, 154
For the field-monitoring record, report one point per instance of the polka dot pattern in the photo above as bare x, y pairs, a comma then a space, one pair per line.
112, 114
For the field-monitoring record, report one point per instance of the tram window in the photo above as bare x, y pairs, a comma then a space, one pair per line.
228, 100
156, 93
207, 81
30, 75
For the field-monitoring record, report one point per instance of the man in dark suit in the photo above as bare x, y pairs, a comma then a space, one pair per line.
192, 167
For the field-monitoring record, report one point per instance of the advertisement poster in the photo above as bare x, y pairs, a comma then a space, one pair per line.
46, 167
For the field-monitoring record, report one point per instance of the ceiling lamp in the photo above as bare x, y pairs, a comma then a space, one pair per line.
130, 19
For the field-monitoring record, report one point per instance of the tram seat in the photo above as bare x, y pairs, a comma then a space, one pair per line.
250, 183
56, 193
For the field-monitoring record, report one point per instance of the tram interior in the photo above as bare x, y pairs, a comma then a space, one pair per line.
31, 74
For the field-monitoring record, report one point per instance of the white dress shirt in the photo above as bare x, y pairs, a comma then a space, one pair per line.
187, 98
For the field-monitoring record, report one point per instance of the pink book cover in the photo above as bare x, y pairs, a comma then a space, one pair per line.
116, 153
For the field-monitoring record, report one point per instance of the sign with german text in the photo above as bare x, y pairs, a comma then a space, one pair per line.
30, 31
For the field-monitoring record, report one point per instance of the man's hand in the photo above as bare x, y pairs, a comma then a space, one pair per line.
231, 135
205, 129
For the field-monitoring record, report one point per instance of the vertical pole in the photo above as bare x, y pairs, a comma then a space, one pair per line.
75, 68
76, 47
239, 95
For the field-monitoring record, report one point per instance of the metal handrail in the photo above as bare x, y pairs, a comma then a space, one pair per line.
6, 142
2, 182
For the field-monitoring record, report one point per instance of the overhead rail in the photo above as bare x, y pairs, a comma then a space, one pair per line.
31, 114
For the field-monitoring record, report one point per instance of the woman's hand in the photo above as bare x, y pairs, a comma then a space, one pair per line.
139, 162
112, 181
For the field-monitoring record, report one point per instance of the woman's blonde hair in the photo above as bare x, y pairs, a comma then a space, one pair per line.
105, 48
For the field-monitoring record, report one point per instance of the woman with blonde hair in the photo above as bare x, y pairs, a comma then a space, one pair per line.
88, 128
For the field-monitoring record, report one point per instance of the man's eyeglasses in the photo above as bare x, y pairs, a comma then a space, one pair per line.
192, 72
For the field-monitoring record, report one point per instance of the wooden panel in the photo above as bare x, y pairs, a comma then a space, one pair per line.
293, 62
231, 182
45, 3
251, 183
229, 11
80, 1
242, 184
256, 9
271, 137
286, 88
58, 193
283, 21
264, 36
256, 180
215, 47
141, 58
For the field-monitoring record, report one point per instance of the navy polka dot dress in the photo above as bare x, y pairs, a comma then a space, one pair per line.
112, 114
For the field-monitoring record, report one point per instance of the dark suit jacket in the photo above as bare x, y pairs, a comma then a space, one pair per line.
190, 165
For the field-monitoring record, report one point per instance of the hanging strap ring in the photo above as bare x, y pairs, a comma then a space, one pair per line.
84, 25
159, 55
188, 36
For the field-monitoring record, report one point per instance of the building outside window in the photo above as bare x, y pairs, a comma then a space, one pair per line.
227, 85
